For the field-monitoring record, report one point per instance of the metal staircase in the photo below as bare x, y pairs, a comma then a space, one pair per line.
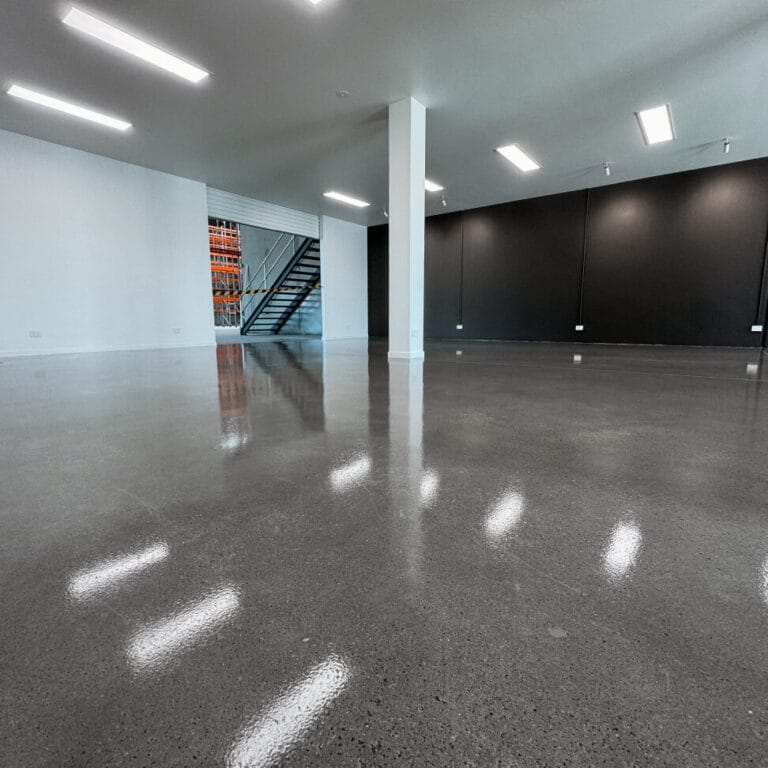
300, 276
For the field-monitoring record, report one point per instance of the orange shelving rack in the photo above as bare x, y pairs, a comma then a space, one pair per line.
226, 271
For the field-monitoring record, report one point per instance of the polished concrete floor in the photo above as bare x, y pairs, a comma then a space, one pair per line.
285, 554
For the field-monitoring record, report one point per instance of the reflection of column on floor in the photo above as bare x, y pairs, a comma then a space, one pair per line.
406, 425
233, 397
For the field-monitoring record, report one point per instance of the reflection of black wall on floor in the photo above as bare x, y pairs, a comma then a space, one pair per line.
674, 259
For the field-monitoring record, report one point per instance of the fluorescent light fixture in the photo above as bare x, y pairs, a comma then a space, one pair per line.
656, 124
99, 29
69, 109
346, 199
431, 186
157, 644
518, 158
315, 2
283, 723
109, 573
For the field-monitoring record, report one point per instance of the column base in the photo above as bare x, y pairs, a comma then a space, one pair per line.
406, 355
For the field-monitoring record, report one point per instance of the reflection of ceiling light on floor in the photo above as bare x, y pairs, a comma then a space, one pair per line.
505, 516
110, 573
350, 474
283, 723
235, 435
429, 485
622, 550
157, 644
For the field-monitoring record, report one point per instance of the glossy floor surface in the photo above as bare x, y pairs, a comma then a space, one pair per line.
285, 554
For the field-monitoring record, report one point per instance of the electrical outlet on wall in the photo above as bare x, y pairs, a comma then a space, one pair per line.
579, 328
460, 327
35, 335
177, 330
757, 329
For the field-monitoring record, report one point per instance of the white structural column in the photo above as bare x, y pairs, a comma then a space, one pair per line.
407, 137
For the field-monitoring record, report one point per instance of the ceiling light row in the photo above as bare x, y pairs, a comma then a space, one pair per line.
655, 124
106, 33
339, 197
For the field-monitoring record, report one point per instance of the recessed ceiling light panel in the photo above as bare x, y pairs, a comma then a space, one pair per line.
518, 158
656, 124
66, 107
99, 29
431, 186
339, 197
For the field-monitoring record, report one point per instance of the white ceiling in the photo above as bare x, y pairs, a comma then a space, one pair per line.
561, 77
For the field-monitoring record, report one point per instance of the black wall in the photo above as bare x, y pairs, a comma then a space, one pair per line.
674, 259
378, 281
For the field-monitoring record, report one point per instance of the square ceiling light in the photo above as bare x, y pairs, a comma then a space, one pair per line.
656, 124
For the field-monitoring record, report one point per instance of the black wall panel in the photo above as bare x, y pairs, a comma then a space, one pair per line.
522, 268
677, 259
442, 276
673, 259
378, 281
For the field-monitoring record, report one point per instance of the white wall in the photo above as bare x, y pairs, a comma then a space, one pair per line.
257, 213
344, 268
97, 254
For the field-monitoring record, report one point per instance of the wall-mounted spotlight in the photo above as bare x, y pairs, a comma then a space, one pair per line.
442, 200
726, 146
607, 169
385, 212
